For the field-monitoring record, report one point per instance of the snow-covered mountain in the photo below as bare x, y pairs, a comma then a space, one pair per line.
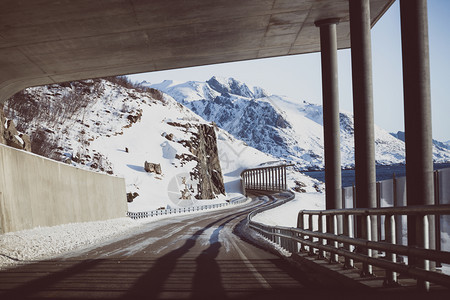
438, 146
277, 125
110, 127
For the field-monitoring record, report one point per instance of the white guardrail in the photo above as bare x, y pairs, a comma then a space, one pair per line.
162, 212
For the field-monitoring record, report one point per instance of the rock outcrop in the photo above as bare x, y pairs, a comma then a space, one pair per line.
203, 146
208, 167
152, 168
10, 136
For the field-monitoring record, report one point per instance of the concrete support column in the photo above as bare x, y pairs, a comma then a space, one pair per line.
361, 50
417, 105
328, 45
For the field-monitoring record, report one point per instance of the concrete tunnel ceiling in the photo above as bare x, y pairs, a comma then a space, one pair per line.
50, 41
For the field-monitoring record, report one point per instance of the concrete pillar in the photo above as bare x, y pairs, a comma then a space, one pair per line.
365, 178
417, 108
328, 45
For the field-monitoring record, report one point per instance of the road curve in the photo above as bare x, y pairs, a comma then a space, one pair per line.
196, 256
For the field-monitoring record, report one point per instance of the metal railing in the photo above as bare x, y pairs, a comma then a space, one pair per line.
270, 178
162, 212
392, 193
311, 236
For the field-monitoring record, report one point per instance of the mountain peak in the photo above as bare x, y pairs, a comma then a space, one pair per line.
230, 86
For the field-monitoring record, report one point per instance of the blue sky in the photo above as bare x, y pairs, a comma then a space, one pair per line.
299, 76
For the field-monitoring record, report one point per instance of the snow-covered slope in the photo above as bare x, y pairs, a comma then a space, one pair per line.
440, 149
103, 126
277, 125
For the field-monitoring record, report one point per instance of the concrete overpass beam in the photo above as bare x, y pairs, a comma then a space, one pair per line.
328, 45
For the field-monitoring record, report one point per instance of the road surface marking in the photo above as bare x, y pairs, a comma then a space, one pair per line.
249, 265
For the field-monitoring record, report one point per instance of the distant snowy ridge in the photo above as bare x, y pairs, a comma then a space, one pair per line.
282, 127
437, 145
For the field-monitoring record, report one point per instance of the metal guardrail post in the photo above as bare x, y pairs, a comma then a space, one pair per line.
273, 179
266, 177
301, 225
367, 268
279, 179
334, 221
378, 218
348, 264
425, 264
321, 230
389, 231
437, 218
295, 248
310, 238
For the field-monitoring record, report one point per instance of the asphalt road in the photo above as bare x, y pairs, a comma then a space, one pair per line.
199, 256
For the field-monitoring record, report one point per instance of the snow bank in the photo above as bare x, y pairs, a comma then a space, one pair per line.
286, 214
44, 242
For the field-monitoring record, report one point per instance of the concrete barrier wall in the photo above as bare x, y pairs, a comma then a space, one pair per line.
35, 191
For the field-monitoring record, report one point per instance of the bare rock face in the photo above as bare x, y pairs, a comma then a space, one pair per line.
10, 136
203, 146
208, 168
131, 196
26, 142
2, 126
152, 168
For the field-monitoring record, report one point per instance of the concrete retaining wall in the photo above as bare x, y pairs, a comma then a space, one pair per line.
35, 191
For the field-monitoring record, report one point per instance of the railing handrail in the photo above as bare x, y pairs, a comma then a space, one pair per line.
399, 210
268, 167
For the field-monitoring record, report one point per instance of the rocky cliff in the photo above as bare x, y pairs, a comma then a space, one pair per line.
202, 146
208, 168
